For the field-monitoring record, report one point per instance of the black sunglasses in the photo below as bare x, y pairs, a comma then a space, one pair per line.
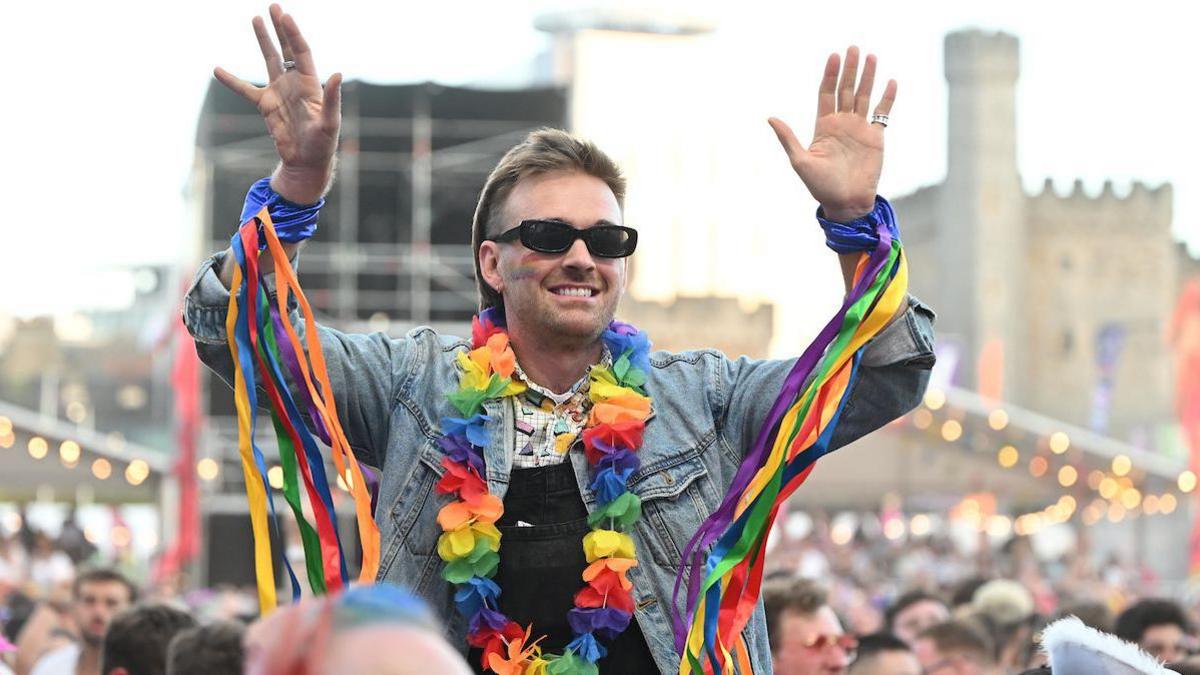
555, 236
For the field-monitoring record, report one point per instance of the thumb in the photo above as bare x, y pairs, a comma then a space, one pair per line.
332, 107
791, 145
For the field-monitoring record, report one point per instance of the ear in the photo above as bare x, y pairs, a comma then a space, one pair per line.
489, 265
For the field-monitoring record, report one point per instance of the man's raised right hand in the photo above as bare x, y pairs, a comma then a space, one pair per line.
302, 117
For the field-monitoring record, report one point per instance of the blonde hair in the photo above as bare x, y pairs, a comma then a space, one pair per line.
543, 151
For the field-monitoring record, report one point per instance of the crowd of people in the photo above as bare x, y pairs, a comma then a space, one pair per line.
106, 628
872, 605
869, 606
995, 631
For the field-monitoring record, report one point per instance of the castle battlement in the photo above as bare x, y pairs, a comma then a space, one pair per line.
975, 55
1143, 206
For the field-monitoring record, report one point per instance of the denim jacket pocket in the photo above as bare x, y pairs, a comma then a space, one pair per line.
673, 505
414, 513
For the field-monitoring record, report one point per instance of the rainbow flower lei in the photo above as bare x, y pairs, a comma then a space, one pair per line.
470, 542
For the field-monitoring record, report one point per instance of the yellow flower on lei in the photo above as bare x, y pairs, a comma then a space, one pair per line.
607, 544
459, 542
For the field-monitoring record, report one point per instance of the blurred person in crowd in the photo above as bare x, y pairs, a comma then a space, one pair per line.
1158, 626
212, 649
912, 613
884, 654
957, 647
346, 633
1005, 609
964, 594
7, 649
137, 640
550, 257
1072, 648
16, 610
1093, 614
69, 640
26, 534
48, 566
72, 541
13, 562
804, 632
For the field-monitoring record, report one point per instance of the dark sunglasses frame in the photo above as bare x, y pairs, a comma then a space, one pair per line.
527, 233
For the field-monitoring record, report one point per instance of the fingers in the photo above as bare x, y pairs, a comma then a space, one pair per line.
238, 85
889, 97
862, 97
277, 20
300, 52
791, 145
270, 55
845, 92
331, 110
827, 94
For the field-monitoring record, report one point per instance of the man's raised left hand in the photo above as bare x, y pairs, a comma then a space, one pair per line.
841, 165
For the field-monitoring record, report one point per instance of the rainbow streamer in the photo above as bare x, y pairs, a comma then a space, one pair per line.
723, 585
261, 355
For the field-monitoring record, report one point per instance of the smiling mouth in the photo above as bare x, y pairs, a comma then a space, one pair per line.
573, 291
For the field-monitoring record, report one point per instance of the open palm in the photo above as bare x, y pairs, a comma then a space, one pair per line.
302, 117
842, 164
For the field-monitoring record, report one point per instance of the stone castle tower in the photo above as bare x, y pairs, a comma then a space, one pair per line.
1055, 303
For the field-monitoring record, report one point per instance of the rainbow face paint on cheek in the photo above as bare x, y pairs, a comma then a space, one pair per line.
523, 272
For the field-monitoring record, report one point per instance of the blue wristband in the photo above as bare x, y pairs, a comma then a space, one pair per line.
293, 222
859, 234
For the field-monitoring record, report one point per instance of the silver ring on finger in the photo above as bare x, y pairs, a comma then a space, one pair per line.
879, 119
290, 65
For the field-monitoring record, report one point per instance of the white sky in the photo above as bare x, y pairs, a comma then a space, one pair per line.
101, 100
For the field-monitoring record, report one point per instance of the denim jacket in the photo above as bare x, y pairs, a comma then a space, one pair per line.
707, 410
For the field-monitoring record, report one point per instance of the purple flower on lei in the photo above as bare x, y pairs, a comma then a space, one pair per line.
486, 620
458, 449
607, 622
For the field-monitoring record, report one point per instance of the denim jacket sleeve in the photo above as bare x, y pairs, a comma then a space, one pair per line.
892, 380
361, 367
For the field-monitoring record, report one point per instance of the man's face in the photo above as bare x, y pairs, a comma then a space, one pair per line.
1164, 641
918, 616
936, 662
892, 662
535, 285
804, 647
95, 606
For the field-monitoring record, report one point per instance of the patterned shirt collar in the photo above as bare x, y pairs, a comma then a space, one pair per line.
581, 385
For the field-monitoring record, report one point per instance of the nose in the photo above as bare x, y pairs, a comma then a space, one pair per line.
578, 257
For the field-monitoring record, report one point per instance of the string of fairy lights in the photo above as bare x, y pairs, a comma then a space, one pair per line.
1114, 492
70, 454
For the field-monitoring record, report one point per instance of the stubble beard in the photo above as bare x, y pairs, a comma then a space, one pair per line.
553, 326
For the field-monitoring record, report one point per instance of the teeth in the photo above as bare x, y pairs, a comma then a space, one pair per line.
578, 292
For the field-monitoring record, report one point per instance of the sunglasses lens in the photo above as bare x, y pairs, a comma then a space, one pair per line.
547, 236
610, 242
